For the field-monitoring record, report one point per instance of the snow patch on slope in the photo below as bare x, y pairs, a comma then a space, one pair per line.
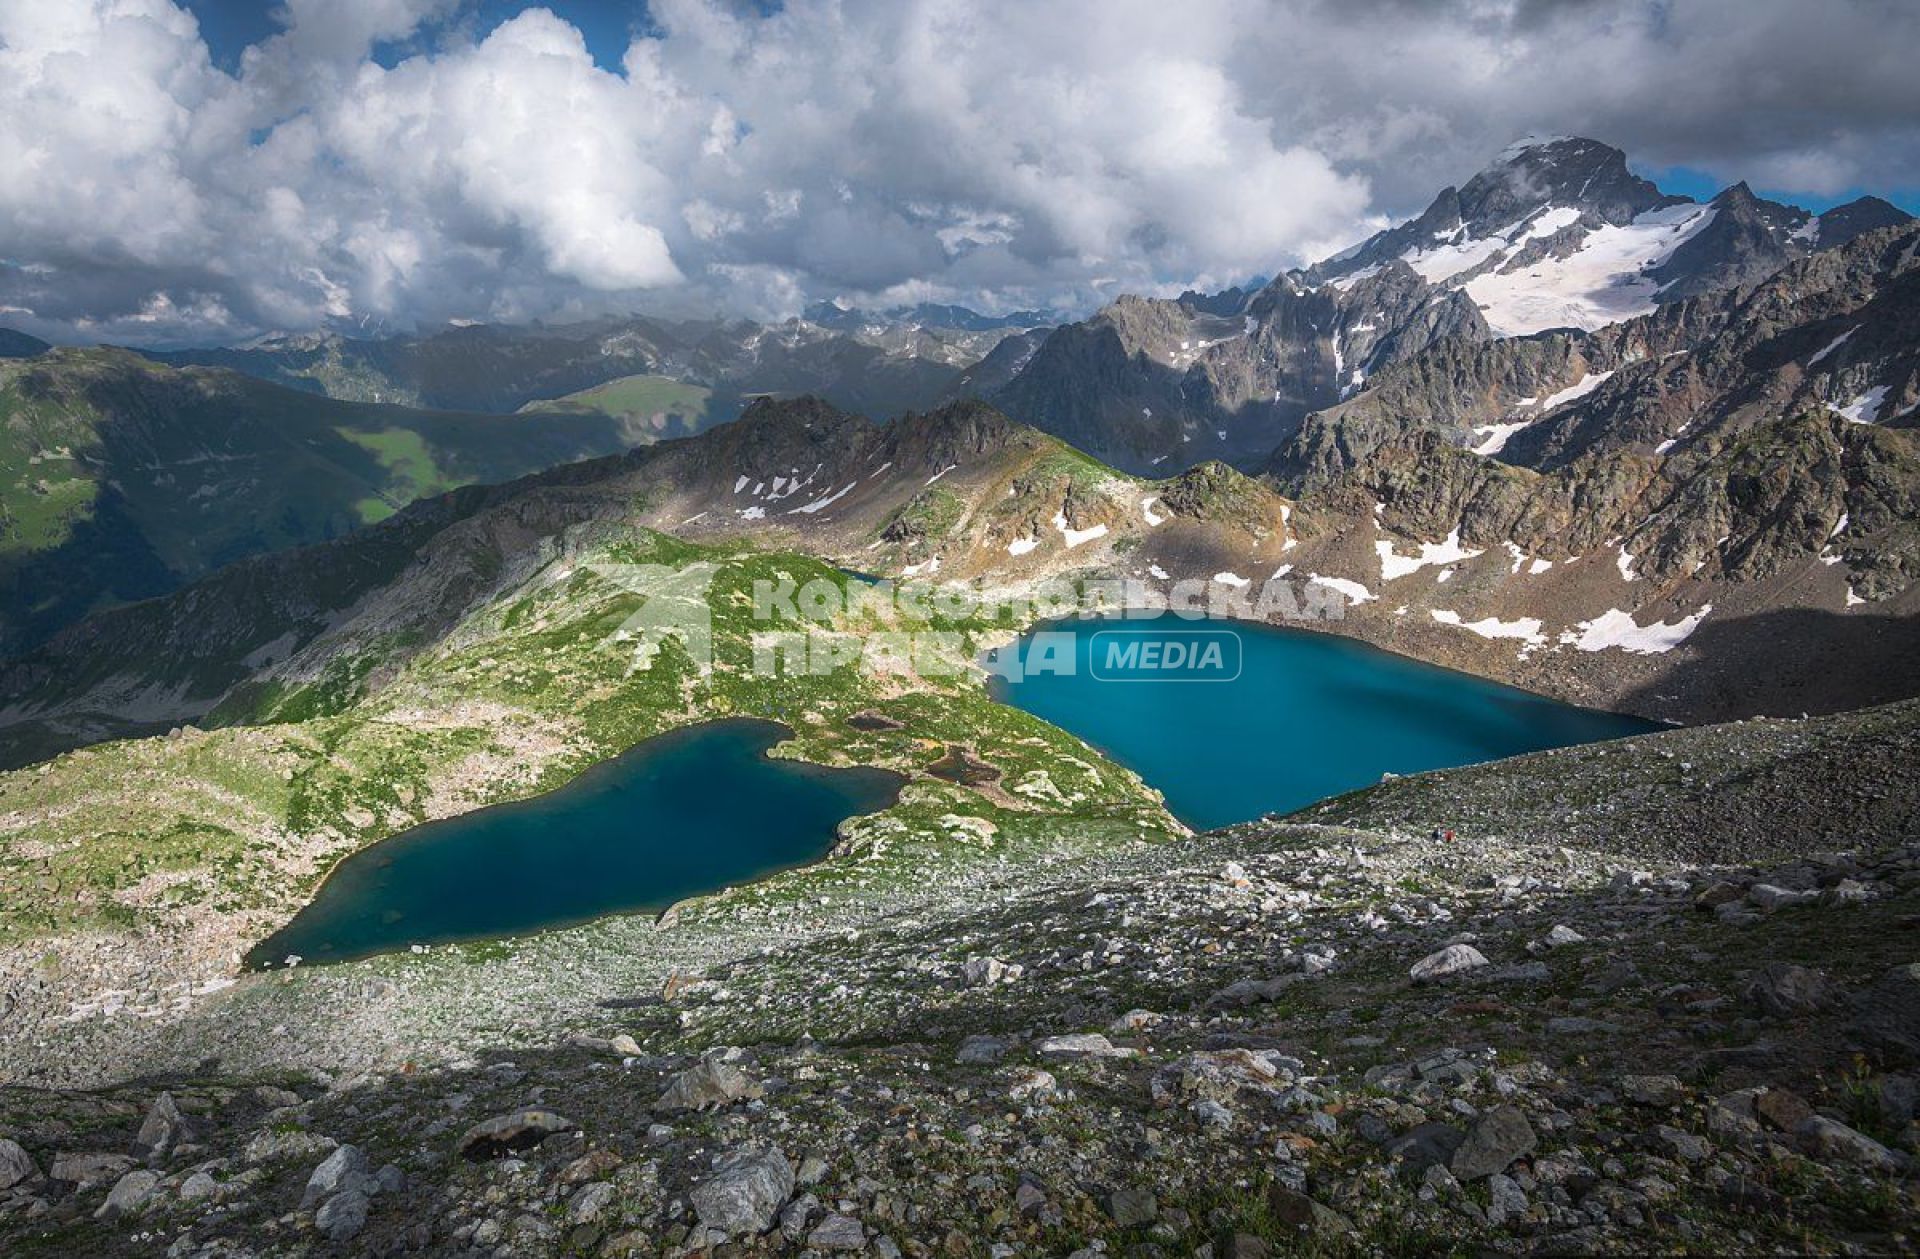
1614, 628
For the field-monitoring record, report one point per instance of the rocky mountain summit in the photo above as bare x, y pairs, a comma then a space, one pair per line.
1587, 1023
1556, 234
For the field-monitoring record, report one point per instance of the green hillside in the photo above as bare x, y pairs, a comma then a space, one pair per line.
652, 407
121, 479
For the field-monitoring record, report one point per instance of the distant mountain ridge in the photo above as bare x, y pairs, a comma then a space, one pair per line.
879, 371
934, 315
1555, 233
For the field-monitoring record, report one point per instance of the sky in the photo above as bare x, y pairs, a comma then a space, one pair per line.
202, 171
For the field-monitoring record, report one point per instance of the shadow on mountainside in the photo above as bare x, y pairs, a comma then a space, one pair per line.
1787, 663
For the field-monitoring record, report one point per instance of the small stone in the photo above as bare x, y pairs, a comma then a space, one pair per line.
1651, 1090
981, 1050
1455, 959
1244, 1246
1889, 1016
512, 1132
1131, 1208
1576, 1025
838, 1232
1500, 1136
128, 1194
1082, 1045
1563, 935
1682, 1145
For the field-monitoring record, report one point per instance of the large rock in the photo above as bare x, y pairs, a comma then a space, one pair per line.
509, 1133
745, 1192
128, 1194
838, 1232
1297, 1211
164, 1128
1454, 960
16, 1165
1501, 1136
87, 1170
1830, 1139
1786, 991
338, 1171
709, 1082
1081, 1045
1888, 1020
1426, 1145
343, 1216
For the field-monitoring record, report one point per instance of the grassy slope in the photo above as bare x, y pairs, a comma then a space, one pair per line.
527, 693
650, 406
121, 479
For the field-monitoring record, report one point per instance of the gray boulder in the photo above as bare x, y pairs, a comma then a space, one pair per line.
981, 1050
838, 1232
343, 1216
1783, 991
1500, 1136
745, 1193
1830, 1139
340, 1170
509, 1133
16, 1165
1888, 1020
1454, 960
1081, 1045
164, 1128
709, 1082
88, 1170
128, 1194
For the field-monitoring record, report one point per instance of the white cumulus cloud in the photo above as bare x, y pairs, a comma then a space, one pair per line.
994, 151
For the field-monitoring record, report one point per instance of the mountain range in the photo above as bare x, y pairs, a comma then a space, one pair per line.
1556, 234
1635, 514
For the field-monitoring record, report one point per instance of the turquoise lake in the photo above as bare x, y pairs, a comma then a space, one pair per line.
688, 812
1310, 715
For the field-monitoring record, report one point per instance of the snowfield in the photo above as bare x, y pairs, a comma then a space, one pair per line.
1614, 628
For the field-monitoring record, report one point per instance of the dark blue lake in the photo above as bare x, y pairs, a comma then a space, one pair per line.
688, 812
1309, 716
